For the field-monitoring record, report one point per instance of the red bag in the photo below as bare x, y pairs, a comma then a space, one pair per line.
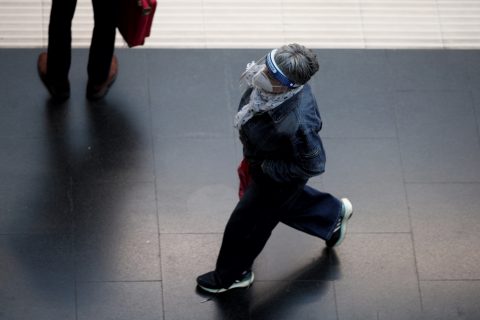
244, 176
135, 20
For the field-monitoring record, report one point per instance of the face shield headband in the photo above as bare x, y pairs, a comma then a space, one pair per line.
276, 72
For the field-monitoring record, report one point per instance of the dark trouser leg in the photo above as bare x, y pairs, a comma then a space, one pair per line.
315, 213
250, 226
60, 39
103, 40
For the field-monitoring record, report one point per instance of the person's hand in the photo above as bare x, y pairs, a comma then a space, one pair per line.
257, 173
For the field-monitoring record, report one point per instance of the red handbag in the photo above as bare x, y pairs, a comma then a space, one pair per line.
135, 20
244, 176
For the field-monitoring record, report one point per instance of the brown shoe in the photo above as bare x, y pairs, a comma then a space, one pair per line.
97, 92
60, 91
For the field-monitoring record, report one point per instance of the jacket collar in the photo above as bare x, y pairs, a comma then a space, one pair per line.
285, 108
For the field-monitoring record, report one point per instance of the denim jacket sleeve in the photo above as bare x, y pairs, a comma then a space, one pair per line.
309, 159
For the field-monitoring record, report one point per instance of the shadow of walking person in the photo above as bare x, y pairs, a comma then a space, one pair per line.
68, 217
303, 296
115, 226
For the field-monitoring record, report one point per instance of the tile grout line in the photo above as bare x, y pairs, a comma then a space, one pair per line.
335, 298
206, 233
443, 182
221, 233
72, 244
76, 299
430, 90
121, 281
359, 138
450, 280
472, 100
155, 187
412, 237
476, 116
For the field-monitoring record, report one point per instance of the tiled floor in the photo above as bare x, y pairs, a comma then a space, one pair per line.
110, 210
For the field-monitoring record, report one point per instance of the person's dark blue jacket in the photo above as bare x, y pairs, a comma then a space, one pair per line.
283, 144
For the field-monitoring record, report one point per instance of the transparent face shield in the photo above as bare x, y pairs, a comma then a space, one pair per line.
266, 75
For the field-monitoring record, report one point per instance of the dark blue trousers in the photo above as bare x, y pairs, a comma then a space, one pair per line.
261, 208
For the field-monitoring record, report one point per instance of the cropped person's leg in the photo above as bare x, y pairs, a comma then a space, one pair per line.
250, 226
319, 214
102, 65
60, 39
54, 65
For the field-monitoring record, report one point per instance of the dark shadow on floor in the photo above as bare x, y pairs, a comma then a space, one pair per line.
62, 221
277, 299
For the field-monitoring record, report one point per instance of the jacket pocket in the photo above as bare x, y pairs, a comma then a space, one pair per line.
310, 153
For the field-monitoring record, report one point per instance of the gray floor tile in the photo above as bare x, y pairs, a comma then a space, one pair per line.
235, 64
115, 208
364, 115
184, 257
445, 222
469, 61
116, 232
196, 184
131, 86
449, 300
20, 94
113, 148
306, 300
378, 278
99, 144
195, 210
291, 255
352, 72
30, 158
427, 70
189, 93
36, 276
438, 136
120, 300
476, 102
182, 301
118, 161
195, 162
368, 172
128, 256
35, 206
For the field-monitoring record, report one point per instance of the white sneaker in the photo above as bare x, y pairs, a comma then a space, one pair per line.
341, 227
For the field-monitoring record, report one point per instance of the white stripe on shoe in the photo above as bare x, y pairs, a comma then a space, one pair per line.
347, 214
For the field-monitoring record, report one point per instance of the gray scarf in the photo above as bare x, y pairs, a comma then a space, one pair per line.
260, 101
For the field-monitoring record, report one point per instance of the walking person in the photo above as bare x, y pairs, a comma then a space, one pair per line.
278, 122
53, 65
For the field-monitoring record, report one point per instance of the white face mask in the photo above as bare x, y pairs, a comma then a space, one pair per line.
261, 81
